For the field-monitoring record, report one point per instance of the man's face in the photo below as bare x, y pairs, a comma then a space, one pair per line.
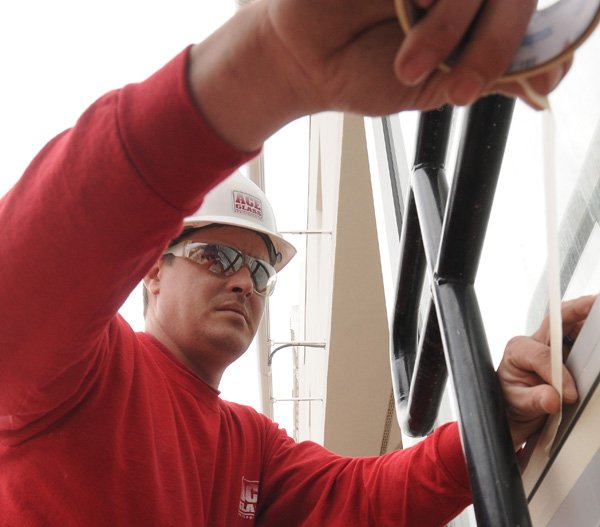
207, 320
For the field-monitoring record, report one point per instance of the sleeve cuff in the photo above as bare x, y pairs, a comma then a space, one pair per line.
451, 453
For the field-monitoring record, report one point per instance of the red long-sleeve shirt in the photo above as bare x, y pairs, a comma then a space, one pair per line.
102, 426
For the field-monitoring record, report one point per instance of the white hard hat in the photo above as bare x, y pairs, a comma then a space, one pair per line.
238, 201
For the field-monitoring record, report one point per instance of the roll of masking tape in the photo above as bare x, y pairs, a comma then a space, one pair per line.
553, 34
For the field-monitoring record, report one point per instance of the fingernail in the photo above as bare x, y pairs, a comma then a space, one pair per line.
570, 393
417, 68
465, 89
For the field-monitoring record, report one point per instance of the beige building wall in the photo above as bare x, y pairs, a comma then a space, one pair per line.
358, 376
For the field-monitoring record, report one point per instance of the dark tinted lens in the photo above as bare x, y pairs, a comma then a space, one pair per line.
260, 275
229, 259
202, 253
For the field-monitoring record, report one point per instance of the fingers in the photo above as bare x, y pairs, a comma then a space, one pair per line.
528, 398
533, 402
576, 311
433, 38
490, 47
573, 312
525, 373
526, 363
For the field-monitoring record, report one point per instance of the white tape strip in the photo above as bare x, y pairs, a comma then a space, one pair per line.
553, 267
541, 101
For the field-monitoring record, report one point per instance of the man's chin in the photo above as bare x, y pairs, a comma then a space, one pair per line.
231, 347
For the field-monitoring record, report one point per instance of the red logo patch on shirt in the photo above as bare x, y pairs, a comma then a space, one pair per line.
248, 499
247, 204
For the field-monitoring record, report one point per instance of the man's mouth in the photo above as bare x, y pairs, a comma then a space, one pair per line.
235, 308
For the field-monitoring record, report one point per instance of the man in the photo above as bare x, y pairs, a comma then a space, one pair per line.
209, 328
102, 426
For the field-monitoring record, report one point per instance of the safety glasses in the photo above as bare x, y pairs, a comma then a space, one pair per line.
224, 260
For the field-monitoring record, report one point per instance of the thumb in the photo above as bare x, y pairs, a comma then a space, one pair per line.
532, 402
545, 399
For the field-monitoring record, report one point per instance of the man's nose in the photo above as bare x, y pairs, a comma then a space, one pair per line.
241, 281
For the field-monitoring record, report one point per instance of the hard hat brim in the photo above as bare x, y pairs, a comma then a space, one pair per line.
281, 245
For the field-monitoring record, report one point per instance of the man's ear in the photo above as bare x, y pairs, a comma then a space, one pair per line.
152, 278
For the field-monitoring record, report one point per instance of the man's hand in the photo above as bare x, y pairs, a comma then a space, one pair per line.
525, 373
495, 30
276, 60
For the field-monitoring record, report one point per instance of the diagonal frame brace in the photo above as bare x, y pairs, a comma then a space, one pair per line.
442, 238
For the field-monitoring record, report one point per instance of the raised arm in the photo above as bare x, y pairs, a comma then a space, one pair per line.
79, 230
279, 59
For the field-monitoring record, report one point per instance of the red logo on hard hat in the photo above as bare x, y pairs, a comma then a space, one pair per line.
247, 204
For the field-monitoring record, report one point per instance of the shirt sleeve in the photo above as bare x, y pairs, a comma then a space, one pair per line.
305, 484
92, 212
